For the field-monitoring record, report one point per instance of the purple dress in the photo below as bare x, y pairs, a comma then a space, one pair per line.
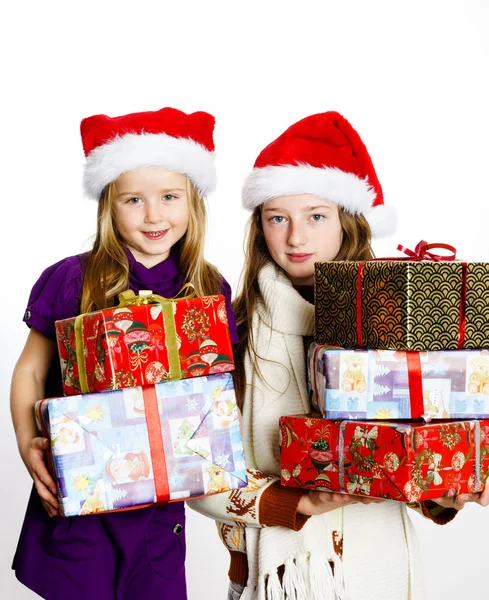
118, 556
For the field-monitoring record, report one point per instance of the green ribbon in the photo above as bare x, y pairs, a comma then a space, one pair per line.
80, 355
129, 298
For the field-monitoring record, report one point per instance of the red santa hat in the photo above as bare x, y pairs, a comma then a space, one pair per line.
321, 155
165, 138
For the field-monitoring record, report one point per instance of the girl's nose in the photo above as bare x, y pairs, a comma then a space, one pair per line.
154, 212
297, 236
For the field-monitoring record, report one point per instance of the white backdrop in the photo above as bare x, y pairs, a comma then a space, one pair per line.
411, 76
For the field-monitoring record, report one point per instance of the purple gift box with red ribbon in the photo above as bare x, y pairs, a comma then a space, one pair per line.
394, 384
424, 301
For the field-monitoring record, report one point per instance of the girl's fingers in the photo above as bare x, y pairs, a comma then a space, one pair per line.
45, 478
481, 498
484, 497
41, 472
459, 501
49, 509
48, 481
45, 493
367, 500
347, 498
39, 443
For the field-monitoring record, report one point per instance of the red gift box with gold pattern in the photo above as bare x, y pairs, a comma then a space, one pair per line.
399, 461
145, 340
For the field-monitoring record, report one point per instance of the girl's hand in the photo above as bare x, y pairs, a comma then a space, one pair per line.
45, 486
459, 501
317, 503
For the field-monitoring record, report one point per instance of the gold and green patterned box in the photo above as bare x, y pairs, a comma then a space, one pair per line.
402, 305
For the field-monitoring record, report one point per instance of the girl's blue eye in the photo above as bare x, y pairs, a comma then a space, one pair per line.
317, 218
277, 219
168, 197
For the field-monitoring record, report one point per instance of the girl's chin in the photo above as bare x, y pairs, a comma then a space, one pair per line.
300, 279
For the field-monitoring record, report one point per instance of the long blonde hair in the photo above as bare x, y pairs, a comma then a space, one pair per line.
355, 245
107, 268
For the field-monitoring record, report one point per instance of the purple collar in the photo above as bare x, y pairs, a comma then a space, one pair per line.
163, 279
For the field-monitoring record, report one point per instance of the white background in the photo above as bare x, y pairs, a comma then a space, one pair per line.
411, 76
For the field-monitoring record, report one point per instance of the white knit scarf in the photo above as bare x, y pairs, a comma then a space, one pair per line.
279, 324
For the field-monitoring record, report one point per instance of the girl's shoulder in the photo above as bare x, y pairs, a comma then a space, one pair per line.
56, 294
69, 267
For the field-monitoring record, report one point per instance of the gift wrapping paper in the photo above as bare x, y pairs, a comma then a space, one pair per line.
407, 462
134, 447
402, 305
144, 344
390, 384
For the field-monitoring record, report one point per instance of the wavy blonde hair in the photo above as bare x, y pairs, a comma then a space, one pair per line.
355, 245
107, 268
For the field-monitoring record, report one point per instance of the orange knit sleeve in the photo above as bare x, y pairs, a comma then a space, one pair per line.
278, 507
434, 512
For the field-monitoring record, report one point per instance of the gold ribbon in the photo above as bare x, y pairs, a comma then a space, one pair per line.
129, 298
80, 355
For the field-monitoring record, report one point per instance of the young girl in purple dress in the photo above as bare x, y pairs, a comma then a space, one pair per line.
149, 172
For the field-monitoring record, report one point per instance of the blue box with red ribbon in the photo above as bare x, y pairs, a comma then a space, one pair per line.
391, 385
134, 447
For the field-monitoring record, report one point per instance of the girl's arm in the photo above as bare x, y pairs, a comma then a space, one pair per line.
262, 503
443, 510
27, 388
265, 503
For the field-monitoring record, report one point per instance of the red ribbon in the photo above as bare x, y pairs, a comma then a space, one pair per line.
156, 446
314, 371
359, 305
415, 380
462, 317
421, 252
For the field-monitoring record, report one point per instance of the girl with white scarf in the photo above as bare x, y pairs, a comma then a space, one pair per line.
315, 197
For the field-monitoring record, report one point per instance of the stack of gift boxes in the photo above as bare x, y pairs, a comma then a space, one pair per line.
399, 374
149, 413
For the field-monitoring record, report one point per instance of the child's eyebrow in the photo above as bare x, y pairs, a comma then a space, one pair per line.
274, 209
311, 208
305, 209
164, 191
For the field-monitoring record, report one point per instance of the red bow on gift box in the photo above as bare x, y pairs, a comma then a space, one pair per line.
421, 252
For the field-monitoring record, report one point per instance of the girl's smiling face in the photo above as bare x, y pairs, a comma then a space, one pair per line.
299, 231
151, 212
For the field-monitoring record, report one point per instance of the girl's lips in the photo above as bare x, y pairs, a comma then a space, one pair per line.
299, 258
155, 235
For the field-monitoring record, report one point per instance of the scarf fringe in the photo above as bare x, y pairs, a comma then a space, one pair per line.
307, 577
339, 579
303, 566
249, 593
321, 579
294, 581
274, 588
